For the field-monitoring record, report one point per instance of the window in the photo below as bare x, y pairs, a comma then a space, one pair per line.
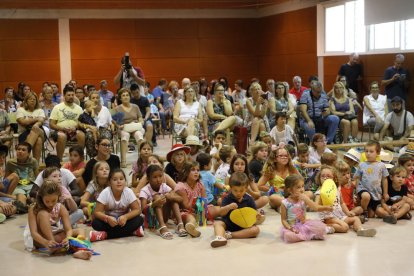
346, 32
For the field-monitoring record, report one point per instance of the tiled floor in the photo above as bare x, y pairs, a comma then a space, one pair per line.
389, 253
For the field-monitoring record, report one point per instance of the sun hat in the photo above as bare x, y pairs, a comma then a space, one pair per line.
192, 140
353, 154
386, 157
175, 148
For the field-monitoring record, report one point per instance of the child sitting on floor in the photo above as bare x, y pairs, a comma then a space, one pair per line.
227, 229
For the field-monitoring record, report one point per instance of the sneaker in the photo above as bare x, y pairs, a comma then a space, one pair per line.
356, 140
97, 236
227, 235
139, 232
350, 139
366, 232
330, 230
2, 218
218, 241
191, 229
20, 207
390, 219
131, 148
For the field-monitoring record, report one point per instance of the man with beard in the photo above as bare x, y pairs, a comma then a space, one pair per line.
64, 120
399, 122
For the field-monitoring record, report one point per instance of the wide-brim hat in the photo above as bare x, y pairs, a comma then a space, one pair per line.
192, 140
410, 148
175, 148
353, 154
386, 156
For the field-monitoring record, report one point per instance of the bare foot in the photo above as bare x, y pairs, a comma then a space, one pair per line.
82, 254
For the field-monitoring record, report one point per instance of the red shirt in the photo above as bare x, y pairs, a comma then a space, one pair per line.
299, 93
347, 194
409, 182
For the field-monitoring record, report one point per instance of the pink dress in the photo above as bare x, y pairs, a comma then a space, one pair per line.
192, 194
307, 229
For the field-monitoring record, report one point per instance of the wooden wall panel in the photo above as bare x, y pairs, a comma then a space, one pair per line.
164, 48
29, 52
288, 46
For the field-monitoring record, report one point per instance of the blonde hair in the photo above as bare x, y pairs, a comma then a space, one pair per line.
96, 185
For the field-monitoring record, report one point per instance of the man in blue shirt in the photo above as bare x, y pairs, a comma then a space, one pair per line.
316, 117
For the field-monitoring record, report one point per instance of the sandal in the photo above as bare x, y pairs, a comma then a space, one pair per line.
181, 232
167, 235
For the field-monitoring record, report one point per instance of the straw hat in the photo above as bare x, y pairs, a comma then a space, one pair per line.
353, 154
386, 158
192, 140
175, 148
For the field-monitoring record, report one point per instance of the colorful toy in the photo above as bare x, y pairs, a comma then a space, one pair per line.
201, 211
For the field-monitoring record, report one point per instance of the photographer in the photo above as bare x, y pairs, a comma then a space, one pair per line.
128, 74
314, 106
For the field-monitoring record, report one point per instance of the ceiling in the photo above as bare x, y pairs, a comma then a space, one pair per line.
137, 4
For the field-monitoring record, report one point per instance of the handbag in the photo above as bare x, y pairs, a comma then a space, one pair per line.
350, 117
132, 127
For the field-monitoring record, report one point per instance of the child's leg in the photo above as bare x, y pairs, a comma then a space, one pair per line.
405, 208
357, 210
261, 202
190, 225
251, 232
159, 213
219, 228
381, 212
410, 201
117, 231
14, 180
213, 211
365, 198
340, 226
275, 201
355, 222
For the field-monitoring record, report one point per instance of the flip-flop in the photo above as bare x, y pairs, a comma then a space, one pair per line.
166, 235
181, 232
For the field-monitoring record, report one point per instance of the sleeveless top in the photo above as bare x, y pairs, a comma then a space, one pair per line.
218, 109
295, 212
54, 214
187, 111
341, 107
281, 104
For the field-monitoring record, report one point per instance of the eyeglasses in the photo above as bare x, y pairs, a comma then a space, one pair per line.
106, 145
283, 156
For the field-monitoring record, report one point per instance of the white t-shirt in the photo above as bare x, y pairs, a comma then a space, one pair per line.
397, 122
377, 104
117, 208
313, 154
148, 193
67, 178
284, 136
104, 118
23, 113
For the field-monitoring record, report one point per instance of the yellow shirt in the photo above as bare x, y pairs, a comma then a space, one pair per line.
65, 115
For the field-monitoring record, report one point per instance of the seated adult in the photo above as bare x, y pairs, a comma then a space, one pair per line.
103, 119
220, 112
132, 122
316, 117
5, 135
143, 103
342, 106
30, 118
64, 120
297, 88
399, 122
187, 114
375, 109
256, 106
103, 148
284, 104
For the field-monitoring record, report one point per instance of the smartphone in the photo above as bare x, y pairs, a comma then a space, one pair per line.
264, 96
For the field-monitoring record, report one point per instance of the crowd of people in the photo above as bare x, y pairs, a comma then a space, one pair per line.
209, 175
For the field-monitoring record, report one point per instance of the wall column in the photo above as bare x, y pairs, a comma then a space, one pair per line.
64, 52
